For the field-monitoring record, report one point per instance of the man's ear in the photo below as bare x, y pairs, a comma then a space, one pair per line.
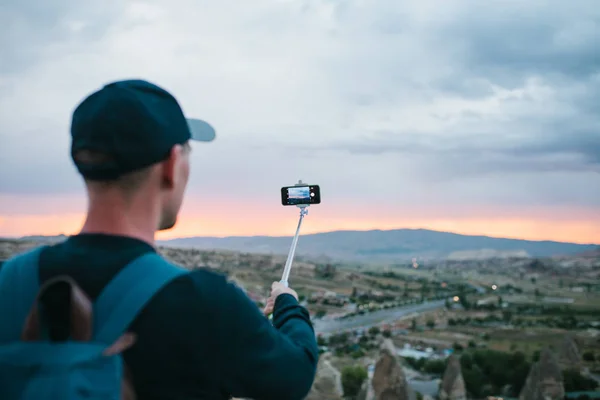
169, 167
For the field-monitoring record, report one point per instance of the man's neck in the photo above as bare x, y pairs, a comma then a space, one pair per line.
117, 221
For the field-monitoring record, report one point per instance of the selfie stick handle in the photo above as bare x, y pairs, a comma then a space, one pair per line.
290, 259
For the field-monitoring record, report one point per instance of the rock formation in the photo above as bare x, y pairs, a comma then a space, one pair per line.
366, 391
545, 380
328, 383
568, 354
389, 381
453, 384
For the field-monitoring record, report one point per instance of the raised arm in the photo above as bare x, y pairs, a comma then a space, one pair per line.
261, 360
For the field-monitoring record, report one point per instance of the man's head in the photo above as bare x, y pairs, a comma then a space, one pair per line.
130, 140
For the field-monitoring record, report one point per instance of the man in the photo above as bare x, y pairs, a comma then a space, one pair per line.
199, 337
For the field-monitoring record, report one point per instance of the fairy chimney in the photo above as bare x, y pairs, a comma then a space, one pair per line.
328, 383
389, 381
545, 380
568, 354
453, 384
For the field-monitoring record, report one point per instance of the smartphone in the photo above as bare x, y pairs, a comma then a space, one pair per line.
298, 195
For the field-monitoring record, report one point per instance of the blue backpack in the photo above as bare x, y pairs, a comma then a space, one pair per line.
87, 364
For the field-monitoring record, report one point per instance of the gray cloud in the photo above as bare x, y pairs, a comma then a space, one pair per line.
510, 43
499, 99
503, 47
28, 28
584, 145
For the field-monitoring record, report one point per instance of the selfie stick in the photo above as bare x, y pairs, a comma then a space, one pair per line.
288, 264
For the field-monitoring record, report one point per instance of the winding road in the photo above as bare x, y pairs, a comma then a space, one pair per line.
373, 318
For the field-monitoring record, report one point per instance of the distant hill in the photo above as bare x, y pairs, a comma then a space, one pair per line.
44, 239
594, 252
380, 245
390, 245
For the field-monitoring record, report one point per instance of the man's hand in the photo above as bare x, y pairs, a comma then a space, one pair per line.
268, 310
277, 289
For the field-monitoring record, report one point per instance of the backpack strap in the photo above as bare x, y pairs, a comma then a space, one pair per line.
19, 284
127, 294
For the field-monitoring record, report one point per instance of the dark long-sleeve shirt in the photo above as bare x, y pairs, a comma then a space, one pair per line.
200, 337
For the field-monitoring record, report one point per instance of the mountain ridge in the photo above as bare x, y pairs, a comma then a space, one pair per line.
385, 245
377, 245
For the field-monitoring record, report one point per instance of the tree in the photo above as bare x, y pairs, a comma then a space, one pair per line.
320, 313
466, 361
589, 356
517, 358
321, 341
352, 379
387, 333
576, 382
373, 330
413, 324
475, 381
430, 323
465, 303
424, 290
434, 367
489, 371
357, 354
325, 271
341, 338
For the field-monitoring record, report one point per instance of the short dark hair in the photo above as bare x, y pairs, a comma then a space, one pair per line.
128, 182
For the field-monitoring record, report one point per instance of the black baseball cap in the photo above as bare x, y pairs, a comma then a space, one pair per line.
134, 124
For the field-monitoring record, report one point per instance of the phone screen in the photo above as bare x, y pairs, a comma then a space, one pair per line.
298, 195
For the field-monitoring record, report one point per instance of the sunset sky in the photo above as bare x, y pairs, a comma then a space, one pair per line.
465, 116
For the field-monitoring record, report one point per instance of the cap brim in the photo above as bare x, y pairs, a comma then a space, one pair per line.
201, 131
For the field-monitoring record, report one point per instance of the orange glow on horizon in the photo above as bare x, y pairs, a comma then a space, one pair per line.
283, 223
